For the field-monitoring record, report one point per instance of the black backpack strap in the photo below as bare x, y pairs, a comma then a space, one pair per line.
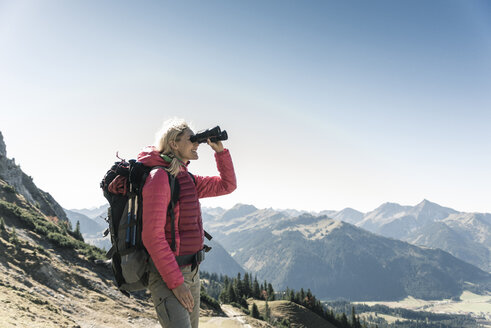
192, 177
174, 192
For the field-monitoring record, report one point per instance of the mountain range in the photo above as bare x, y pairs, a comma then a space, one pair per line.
337, 259
464, 235
467, 236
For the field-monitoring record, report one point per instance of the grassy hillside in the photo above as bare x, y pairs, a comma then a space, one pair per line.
296, 315
16, 211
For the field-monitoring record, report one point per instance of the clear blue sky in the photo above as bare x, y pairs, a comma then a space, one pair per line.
328, 104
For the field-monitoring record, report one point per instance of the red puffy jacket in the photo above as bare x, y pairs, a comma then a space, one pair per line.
188, 226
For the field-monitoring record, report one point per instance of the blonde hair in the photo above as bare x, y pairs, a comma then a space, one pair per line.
172, 130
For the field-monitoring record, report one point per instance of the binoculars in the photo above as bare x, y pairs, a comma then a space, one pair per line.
214, 135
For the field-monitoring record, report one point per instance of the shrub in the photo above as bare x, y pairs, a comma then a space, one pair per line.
55, 232
91, 252
206, 299
13, 237
8, 188
235, 304
61, 240
285, 323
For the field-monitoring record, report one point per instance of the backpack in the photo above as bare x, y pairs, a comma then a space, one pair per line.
122, 186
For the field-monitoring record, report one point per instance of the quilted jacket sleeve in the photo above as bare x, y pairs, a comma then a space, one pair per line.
156, 198
220, 185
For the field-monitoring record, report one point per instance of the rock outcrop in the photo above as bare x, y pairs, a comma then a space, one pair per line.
23, 184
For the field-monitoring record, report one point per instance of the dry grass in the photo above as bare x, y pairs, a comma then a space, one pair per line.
298, 315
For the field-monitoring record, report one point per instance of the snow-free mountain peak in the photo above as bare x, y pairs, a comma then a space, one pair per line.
349, 215
427, 206
23, 184
239, 210
389, 208
3, 147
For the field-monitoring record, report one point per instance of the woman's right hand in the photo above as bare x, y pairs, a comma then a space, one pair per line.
183, 294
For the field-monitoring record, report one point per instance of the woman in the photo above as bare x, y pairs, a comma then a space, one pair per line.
176, 289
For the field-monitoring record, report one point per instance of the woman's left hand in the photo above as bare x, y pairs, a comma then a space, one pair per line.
216, 146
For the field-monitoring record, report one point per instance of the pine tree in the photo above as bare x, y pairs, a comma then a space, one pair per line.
224, 295
270, 292
291, 296
353, 317
298, 298
355, 321
254, 311
2, 224
247, 285
267, 312
239, 286
77, 233
243, 302
256, 291
344, 321
231, 293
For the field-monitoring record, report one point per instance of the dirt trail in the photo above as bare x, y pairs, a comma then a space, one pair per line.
234, 319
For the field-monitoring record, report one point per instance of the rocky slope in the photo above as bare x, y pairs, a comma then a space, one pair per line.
47, 279
24, 185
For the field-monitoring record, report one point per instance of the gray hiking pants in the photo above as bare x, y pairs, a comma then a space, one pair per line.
170, 312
